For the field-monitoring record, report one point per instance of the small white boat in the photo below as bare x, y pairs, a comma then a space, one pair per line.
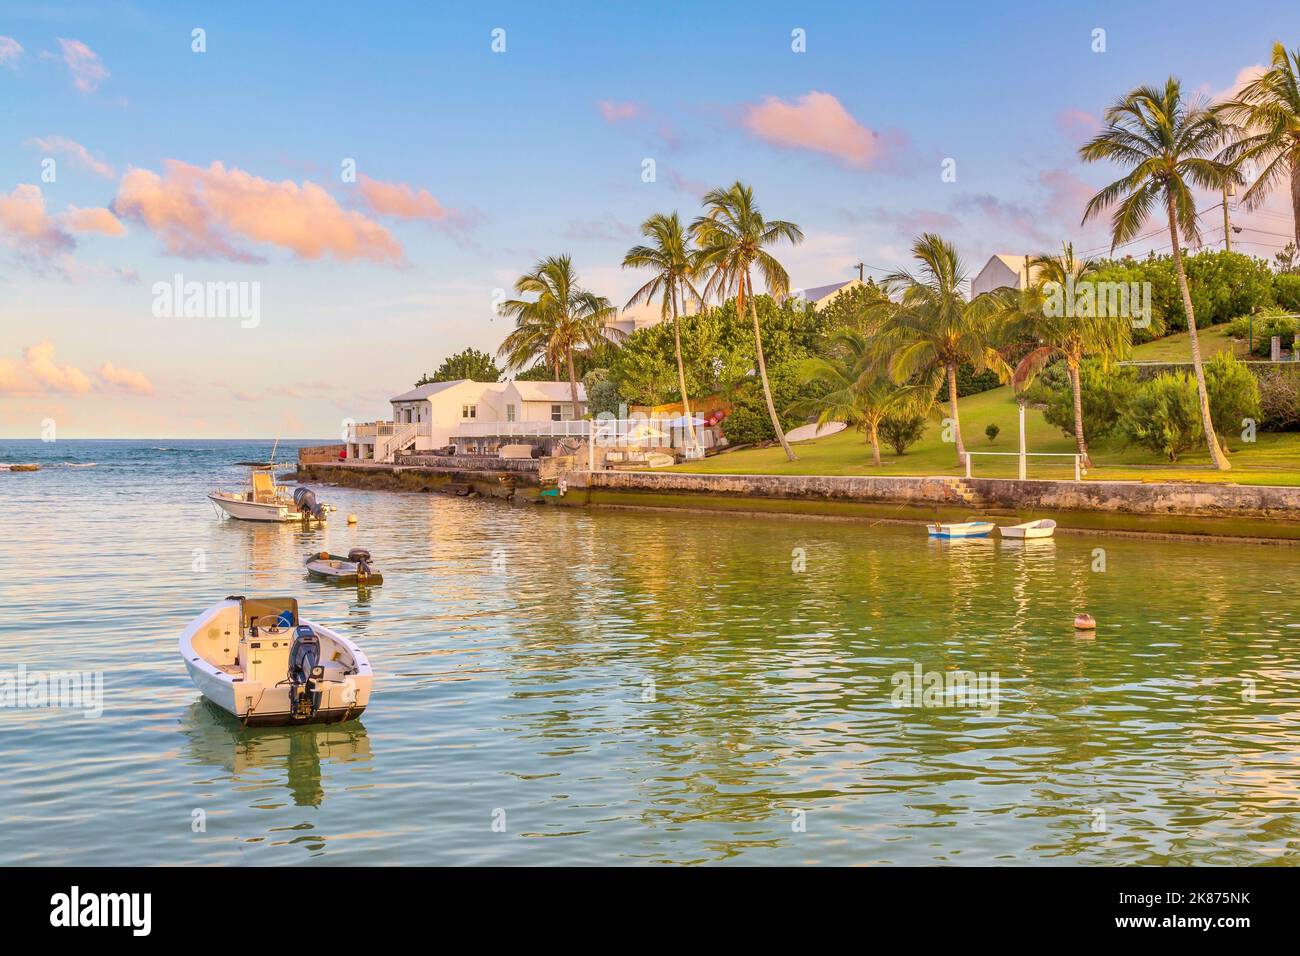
1042, 528
266, 501
353, 569
961, 529
258, 661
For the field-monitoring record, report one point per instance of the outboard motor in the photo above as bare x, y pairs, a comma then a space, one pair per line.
306, 501
305, 672
361, 558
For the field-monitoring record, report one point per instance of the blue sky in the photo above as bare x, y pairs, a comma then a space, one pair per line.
481, 162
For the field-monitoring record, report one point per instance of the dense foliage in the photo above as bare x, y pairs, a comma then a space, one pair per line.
471, 364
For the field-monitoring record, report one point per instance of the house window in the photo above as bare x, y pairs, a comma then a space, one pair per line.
557, 413
510, 413
469, 411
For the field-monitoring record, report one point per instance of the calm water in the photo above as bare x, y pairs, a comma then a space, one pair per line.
620, 687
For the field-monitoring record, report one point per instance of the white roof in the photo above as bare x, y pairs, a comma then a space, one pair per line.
549, 391
424, 391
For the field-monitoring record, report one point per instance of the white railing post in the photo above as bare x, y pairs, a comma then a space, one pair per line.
966, 455
1077, 476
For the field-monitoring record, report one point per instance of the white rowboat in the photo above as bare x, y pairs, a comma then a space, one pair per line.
961, 529
1042, 528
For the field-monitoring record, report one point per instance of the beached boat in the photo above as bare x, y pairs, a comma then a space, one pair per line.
266, 501
1042, 528
353, 569
961, 529
258, 661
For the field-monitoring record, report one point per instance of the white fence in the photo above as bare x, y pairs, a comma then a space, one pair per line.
1078, 460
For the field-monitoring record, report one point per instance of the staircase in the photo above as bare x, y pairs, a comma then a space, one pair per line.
964, 492
387, 447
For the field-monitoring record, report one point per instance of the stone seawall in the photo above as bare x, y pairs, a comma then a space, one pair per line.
1167, 508
458, 481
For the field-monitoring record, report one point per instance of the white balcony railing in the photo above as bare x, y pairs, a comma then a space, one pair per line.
573, 428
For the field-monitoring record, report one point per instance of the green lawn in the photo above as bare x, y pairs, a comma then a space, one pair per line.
1274, 459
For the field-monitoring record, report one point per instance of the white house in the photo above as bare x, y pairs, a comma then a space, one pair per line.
473, 416
1003, 270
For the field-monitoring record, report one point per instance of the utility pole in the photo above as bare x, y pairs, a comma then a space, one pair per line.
1228, 190
861, 266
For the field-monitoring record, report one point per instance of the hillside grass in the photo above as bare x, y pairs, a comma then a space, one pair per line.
1273, 459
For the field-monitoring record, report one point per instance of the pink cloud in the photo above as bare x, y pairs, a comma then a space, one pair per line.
84, 65
1245, 75
125, 379
204, 213
909, 222
404, 202
613, 111
77, 154
10, 51
39, 374
1067, 194
1077, 126
819, 122
97, 219
27, 228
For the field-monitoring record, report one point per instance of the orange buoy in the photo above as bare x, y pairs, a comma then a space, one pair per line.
1084, 622
352, 519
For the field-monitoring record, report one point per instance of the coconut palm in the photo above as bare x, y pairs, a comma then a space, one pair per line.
564, 318
1169, 145
1266, 118
932, 330
671, 258
859, 389
1037, 316
733, 238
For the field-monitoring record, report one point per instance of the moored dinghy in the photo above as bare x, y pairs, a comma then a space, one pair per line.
961, 529
258, 661
1043, 528
354, 569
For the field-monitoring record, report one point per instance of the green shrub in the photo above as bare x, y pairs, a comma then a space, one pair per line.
1286, 290
748, 420
1103, 395
969, 382
991, 433
1233, 394
902, 431
1164, 415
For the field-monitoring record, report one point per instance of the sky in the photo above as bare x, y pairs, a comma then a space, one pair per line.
360, 182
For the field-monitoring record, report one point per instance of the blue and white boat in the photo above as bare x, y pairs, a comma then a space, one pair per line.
961, 529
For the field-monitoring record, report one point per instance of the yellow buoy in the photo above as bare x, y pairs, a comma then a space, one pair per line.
352, 519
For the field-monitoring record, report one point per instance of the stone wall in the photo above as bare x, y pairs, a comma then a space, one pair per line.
1125, 497
320, 453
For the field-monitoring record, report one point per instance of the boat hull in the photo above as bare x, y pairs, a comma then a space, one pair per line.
267, 704
244, 510
339, 571
1029, 531
969, 529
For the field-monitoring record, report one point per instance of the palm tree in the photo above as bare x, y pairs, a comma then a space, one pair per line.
563, 318
733, 236
1057, 333
860, 391
932, 330
1168, 145
670, 256
1267, 114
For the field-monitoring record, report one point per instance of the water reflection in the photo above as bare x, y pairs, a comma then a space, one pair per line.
254, 755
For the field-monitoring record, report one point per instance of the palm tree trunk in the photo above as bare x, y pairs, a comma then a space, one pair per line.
681, 368
1080, 445
1211, 439
762, 374
873, 430
956, 420
1295, 193
573, 383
